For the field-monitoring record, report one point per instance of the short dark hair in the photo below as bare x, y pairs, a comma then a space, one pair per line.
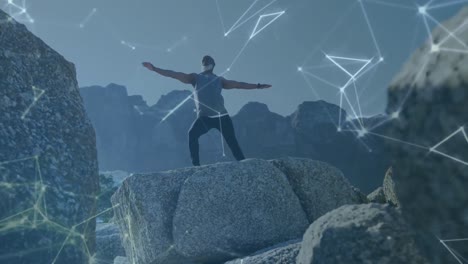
207, 60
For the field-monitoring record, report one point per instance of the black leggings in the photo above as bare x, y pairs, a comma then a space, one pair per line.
202, 125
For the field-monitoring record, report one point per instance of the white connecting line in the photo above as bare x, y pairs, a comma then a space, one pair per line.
241, 20
270, 18
19, 11
458, 257
439, 46
177, 44
88, 18
127, 44
366, 65
341, 62
38, 93
220, 123
259, 26
460, 131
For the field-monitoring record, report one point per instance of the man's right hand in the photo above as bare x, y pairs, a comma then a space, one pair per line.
149, 66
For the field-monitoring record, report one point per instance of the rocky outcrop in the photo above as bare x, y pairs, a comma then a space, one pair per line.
285, 253
48, 163
108, 242
224, 211
389, 188
430, 179
377, 196
153, 145
358, 234
386, 193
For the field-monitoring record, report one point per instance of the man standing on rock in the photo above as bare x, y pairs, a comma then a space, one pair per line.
209, 102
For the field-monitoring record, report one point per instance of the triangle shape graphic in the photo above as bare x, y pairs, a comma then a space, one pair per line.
37, 92
250, 12
460, 132
351, 66
266, 20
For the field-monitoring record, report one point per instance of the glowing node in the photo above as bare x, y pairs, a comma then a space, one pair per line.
339, 129
300, 69
381, 59
362, 133
435, 48
396, 115
228, 69
342, 90
422, 10
226, 34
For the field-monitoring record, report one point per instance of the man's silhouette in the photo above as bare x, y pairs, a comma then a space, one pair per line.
209, 103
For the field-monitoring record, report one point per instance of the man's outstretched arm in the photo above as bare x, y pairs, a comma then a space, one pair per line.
183, 77
229, 84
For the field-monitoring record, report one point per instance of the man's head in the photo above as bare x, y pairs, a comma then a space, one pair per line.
208, 63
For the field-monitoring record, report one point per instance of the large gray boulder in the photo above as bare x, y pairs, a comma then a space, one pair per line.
233, 209
310, 178
431, 96
284, 253
108, 242
359, 234
219, 212
48, 164
145, 215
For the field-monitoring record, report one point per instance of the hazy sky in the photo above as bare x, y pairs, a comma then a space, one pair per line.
176, 34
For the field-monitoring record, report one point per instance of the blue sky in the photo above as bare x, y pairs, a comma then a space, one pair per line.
176, 34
